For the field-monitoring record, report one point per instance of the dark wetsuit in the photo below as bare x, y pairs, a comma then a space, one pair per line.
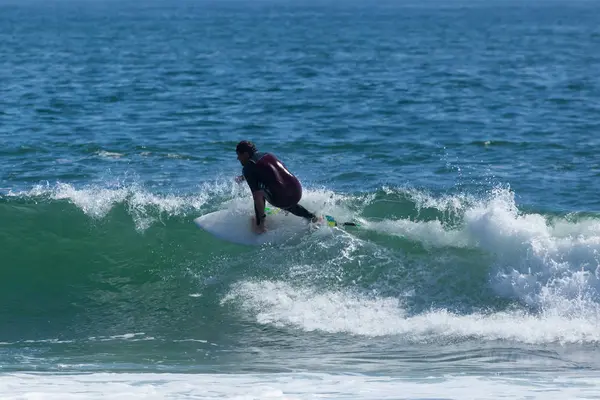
281, 188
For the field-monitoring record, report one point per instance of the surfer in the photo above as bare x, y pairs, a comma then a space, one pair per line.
269, 180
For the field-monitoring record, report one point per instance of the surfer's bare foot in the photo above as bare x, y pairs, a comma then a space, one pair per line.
316, 219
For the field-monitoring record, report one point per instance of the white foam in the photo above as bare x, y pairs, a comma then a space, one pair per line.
75, 366
133, 337
109, 154
552, 264
145, 207
429, 233
95, 202
283, 305
455, 203
296, 386
542, 262
53, 341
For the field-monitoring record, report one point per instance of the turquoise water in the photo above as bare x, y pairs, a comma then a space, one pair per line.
462, 136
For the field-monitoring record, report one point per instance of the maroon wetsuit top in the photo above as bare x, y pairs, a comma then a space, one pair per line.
265, 172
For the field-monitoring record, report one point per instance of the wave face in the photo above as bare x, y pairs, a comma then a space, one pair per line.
95, 264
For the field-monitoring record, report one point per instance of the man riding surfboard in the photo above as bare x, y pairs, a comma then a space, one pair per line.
269, 180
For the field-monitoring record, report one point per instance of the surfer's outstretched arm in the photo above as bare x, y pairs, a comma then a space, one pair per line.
259, 209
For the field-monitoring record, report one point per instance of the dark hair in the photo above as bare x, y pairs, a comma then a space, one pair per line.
245, 146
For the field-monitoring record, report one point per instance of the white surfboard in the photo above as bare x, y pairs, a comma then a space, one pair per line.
234, 225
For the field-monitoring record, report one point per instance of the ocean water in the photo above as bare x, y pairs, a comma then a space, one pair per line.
463, 135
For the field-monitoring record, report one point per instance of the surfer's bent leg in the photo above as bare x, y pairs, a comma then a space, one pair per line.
300, 211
